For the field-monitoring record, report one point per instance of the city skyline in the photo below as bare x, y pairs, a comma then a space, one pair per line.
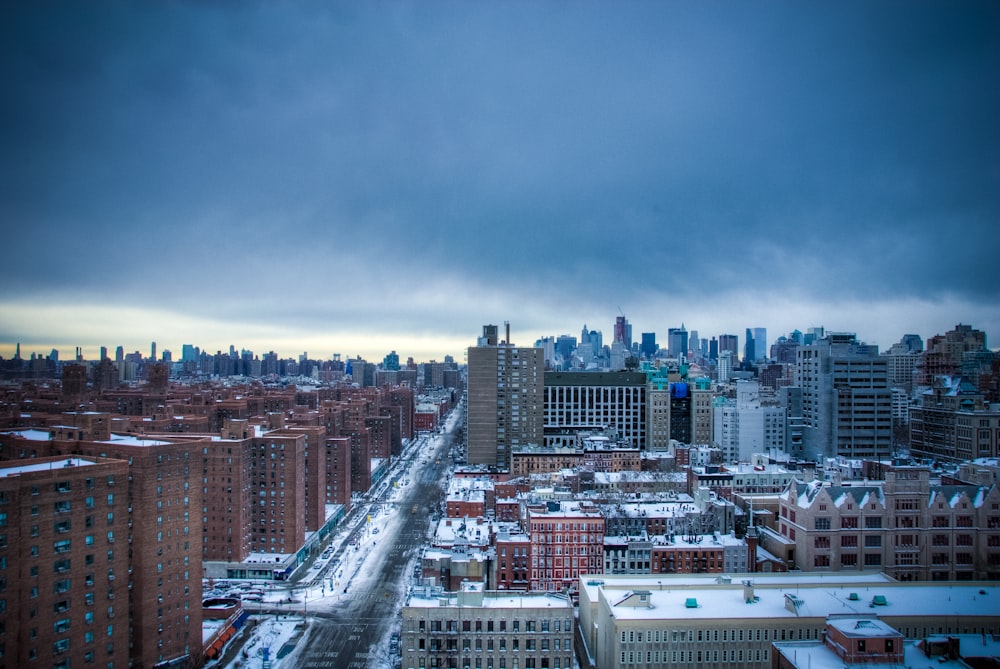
376, 355
356, 179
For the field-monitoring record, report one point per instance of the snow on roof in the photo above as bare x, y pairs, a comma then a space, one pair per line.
811, 600
679, 541
593, 582
677, 509
51, 465
133, 440
31, 435
863, 626
817, 655
493, 599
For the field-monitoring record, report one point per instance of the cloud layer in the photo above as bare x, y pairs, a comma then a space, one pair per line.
317, 172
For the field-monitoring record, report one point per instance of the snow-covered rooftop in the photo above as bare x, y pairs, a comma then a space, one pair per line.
60, 463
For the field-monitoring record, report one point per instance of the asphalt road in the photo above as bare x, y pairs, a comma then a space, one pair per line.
342, 639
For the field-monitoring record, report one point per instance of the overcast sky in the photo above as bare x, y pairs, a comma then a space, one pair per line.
360, 177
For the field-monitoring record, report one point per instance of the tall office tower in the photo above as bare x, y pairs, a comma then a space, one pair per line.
677, 342
104, 352
596, 400
713, 349
505, 399
120, 354
694, 344
731, 343
749, 348
152, 351
846, 398
391, 361
189, 353
760, 343
648, 347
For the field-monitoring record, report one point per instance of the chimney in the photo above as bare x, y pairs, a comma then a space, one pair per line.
748, 595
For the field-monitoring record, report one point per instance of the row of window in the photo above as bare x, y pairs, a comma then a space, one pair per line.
689, 636
437, 645
541, 625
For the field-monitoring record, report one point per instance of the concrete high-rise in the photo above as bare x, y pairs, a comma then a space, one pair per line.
505, 399
846, 398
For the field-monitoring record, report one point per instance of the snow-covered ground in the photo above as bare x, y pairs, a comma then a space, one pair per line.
355, 570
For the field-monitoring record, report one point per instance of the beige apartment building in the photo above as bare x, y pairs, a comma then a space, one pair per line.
903, 526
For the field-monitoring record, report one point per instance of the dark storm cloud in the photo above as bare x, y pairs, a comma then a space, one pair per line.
596, 152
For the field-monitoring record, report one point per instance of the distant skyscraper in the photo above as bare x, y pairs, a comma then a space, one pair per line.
648, 347
565, 345
694, 344
104, 352
152, 351
677, 341
713, 349
120, 354
731, 343
749, 350
760, 343
505, 399
623, 331
912, 343
391, 361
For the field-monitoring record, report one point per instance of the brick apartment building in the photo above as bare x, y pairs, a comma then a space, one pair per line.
567, 539
156, 523
63, 572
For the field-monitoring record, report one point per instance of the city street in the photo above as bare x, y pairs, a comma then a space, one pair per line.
348, 602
